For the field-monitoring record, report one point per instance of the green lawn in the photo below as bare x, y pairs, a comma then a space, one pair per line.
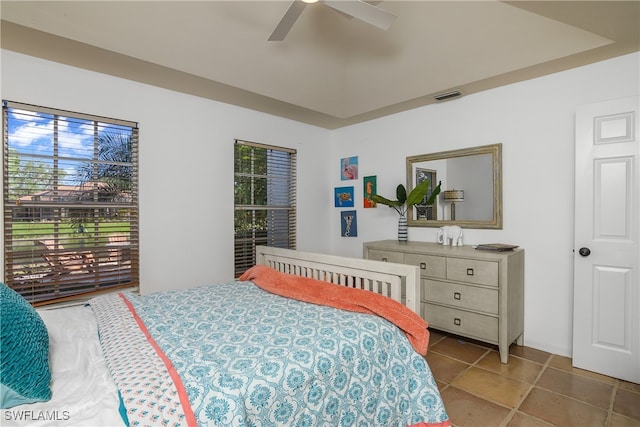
29, 231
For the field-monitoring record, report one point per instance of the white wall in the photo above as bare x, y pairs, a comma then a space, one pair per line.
186, 164
534, 120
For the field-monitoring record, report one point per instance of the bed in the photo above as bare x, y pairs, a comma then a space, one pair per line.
300, 339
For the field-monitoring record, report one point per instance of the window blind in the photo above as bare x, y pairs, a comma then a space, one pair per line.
265, 200
70, 190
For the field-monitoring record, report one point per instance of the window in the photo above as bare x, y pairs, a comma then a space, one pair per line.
70, 203
265, 200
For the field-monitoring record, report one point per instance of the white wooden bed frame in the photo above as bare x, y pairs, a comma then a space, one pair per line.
398, 281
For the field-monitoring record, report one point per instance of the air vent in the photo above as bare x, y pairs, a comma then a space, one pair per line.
448, 95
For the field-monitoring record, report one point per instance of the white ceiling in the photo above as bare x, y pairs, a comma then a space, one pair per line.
331, 70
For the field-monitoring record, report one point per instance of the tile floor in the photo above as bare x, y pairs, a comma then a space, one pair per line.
535, 389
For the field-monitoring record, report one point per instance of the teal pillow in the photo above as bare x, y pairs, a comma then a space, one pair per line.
24, 352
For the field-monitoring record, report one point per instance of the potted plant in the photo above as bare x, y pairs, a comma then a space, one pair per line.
403, 202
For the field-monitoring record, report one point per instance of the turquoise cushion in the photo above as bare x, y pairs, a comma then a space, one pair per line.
24, 352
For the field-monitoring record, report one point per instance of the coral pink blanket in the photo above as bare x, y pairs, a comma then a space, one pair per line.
342, 297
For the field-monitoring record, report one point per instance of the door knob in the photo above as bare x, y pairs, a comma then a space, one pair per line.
584, 251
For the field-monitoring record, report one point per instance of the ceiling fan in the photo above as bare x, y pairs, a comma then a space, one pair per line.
359, 9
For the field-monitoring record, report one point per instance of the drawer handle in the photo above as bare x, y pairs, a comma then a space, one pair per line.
456, 295
470, 272
457, 321
384, 259
423, 265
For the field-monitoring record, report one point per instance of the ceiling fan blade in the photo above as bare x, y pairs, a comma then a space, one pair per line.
290, 17
364, 11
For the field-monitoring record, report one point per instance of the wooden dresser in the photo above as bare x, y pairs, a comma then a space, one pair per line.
468, 292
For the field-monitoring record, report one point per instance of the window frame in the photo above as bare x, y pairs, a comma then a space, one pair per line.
63, 240
268, 215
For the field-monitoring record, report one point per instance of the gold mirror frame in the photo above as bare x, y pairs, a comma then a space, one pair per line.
495, 151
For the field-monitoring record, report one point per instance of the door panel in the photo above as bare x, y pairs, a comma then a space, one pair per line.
611, 326
606, 330
613, 198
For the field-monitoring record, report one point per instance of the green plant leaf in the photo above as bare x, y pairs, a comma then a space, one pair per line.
401, 194
417, 194
436, 191
383, 200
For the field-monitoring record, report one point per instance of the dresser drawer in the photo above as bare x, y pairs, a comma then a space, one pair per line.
473, 325
388, 256
430, 266
468, 297
473, 271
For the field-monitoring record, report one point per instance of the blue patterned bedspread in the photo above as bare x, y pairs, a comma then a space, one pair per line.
250, 358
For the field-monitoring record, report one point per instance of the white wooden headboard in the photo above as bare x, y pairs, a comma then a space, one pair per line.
384, 278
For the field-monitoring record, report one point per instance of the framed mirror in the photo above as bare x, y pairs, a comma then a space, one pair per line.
471, 190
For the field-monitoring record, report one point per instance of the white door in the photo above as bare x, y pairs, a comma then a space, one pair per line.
606, 312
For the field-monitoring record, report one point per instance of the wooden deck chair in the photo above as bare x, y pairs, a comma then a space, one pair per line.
119, 247
64, 261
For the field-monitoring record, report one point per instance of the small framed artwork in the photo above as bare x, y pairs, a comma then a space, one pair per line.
349, 168
369, 189
349, 224
343, 197
424, 211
